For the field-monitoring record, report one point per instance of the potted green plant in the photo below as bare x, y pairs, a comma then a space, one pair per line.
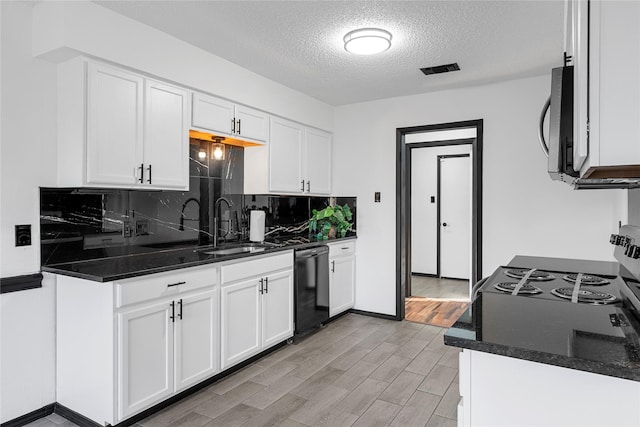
330, 222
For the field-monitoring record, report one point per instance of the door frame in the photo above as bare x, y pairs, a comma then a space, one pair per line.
438, 217
403, 201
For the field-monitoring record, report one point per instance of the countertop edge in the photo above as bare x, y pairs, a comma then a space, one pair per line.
582, 365
138, 273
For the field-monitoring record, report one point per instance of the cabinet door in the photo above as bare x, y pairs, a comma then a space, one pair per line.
342, 284
277, 308
252, 123
240, 321
145, 357
196, 347
213, 114
285, 156
166, 136
317, 162
114, 125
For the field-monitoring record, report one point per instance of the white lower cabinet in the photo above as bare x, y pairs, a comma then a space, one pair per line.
342, 276
256, 306
164, 348
145, 342
125, 346
504, 391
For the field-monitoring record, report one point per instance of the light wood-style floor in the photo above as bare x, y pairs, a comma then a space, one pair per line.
359, 370
433, 287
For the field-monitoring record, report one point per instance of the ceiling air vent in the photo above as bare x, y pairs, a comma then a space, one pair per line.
438, 69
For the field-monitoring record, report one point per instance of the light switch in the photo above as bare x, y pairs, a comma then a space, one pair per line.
376, 197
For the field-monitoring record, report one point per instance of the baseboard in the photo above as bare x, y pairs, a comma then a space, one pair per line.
372, 314
83, 421
424, 274
74, 417
30, 417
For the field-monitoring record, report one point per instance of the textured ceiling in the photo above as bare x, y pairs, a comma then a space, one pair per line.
299, 43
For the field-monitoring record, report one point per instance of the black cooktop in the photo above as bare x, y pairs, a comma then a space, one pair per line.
545, 328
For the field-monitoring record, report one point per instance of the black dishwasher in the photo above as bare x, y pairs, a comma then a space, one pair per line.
311, 288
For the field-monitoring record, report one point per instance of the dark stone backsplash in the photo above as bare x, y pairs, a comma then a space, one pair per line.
81, 224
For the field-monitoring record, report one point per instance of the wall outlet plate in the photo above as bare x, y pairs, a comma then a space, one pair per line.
142, 227
23, 235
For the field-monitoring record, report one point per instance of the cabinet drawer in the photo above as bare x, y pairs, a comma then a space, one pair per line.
347, 247
164, 284
244, 269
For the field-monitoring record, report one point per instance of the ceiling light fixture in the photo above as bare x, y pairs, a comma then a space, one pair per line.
367, 41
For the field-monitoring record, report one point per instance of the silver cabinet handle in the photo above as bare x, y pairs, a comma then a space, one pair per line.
333, 266
176, 284
302, 184
261, 286
149, 169
180, 312
233, 125
266, 284
308, 186
239, 124
141, 173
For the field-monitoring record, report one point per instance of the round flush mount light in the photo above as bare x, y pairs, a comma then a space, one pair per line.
367, 41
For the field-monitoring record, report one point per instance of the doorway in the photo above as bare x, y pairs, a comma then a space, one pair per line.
459, 136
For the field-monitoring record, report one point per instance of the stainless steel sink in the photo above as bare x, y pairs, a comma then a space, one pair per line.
243, 249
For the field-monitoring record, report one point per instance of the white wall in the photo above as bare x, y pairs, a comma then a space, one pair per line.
524, 212
424, 214
27, 352
64, 28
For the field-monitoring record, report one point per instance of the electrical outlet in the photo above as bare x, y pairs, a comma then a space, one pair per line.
142, 227
127, 230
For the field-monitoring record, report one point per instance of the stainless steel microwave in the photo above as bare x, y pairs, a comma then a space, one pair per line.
559, 150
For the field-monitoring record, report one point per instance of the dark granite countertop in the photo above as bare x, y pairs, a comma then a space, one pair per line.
158, 261
601, 339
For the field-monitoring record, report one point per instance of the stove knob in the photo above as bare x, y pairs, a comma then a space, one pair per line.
636, 252
612, 239
630, 250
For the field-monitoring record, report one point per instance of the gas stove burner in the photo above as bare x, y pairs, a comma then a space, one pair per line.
538, 275
585, 296
526, 289
587, 279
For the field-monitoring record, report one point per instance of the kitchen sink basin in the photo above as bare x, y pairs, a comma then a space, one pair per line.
242, 249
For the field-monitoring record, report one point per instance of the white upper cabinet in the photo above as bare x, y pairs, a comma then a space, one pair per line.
223, 117
166, 136
607, 88
114, 125
120, 129
285, 156
299, 158
318, 161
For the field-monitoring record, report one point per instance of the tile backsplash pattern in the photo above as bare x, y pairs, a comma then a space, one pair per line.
81, 224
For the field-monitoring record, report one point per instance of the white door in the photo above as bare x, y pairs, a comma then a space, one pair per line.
277, 308
145, 357
213, 114
317, 157
342, 284
114, 126
196, 338
240, 321
251, 123
455, 216
166, 136
285, 157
